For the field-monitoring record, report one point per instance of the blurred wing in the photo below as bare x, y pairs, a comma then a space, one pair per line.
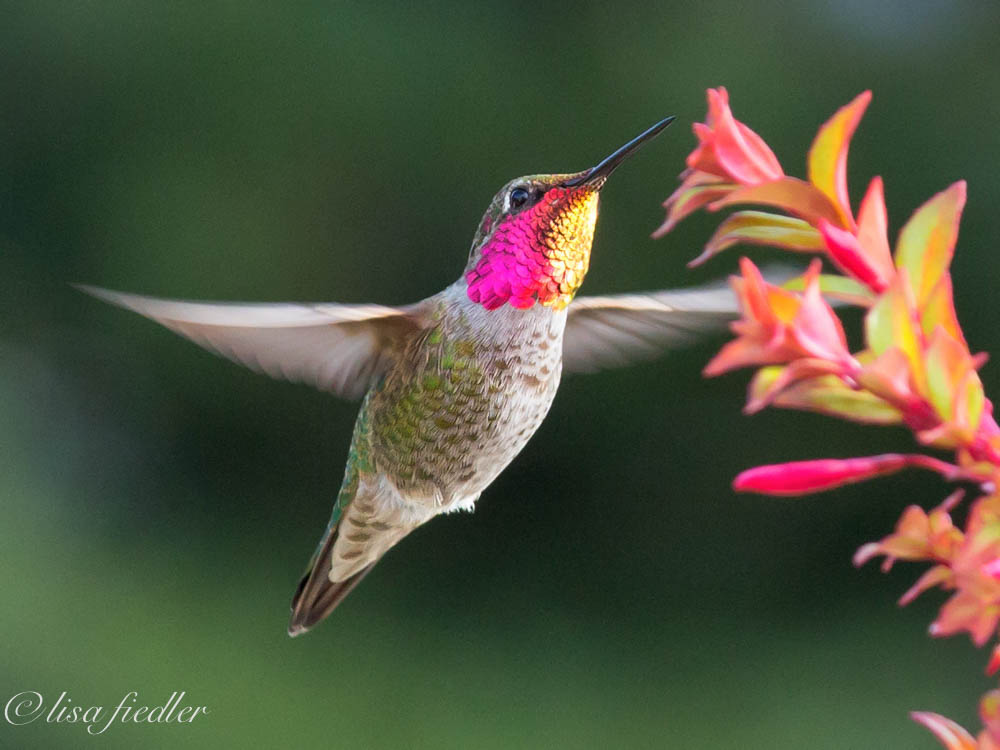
603, 332
338, 348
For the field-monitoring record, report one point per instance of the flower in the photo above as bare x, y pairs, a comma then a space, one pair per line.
975, 607
951, 735
989, 712
803, 477
730, 150
845, 249
729, 155
914, 368
918, 536
780, 326
954, 737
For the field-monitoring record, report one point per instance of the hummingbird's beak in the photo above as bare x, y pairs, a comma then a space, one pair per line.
595, 176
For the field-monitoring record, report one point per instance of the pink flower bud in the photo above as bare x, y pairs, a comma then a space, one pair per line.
802, 477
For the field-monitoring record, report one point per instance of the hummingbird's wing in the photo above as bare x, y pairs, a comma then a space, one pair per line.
603, 332
338, 348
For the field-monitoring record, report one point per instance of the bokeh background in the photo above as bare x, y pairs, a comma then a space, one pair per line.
158, 503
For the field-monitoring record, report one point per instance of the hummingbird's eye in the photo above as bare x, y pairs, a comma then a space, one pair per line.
518, 198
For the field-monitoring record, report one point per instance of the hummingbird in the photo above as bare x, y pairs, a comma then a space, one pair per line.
451, 387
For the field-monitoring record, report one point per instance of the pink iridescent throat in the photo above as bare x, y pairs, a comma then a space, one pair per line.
538, 255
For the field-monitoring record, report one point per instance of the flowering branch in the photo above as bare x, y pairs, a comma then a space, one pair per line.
914, 367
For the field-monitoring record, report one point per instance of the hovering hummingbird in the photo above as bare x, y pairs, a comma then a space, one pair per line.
455, 385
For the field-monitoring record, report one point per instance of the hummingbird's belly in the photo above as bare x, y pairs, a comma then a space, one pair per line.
443, 430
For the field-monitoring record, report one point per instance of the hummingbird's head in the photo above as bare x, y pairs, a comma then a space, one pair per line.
533, 243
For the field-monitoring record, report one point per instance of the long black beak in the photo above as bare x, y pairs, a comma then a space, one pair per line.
596, 175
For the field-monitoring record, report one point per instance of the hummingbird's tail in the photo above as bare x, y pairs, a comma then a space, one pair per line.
317, 596
368, 519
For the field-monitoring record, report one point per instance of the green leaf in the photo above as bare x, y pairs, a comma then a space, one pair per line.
830, 395
927, 241
836, 287
890, 323
761, 228
789, 194
827, 161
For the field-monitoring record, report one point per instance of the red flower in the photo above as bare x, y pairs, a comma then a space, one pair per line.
803, 477
781, 326
915, 368
951, 735
975, 607
918, 536
729, 155
729, 149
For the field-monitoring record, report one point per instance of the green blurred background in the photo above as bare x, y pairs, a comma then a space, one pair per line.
610, 591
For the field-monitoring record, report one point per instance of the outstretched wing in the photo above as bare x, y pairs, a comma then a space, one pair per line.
603, 332
337, 348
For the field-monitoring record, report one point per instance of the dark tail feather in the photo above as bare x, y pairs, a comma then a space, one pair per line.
317, 596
